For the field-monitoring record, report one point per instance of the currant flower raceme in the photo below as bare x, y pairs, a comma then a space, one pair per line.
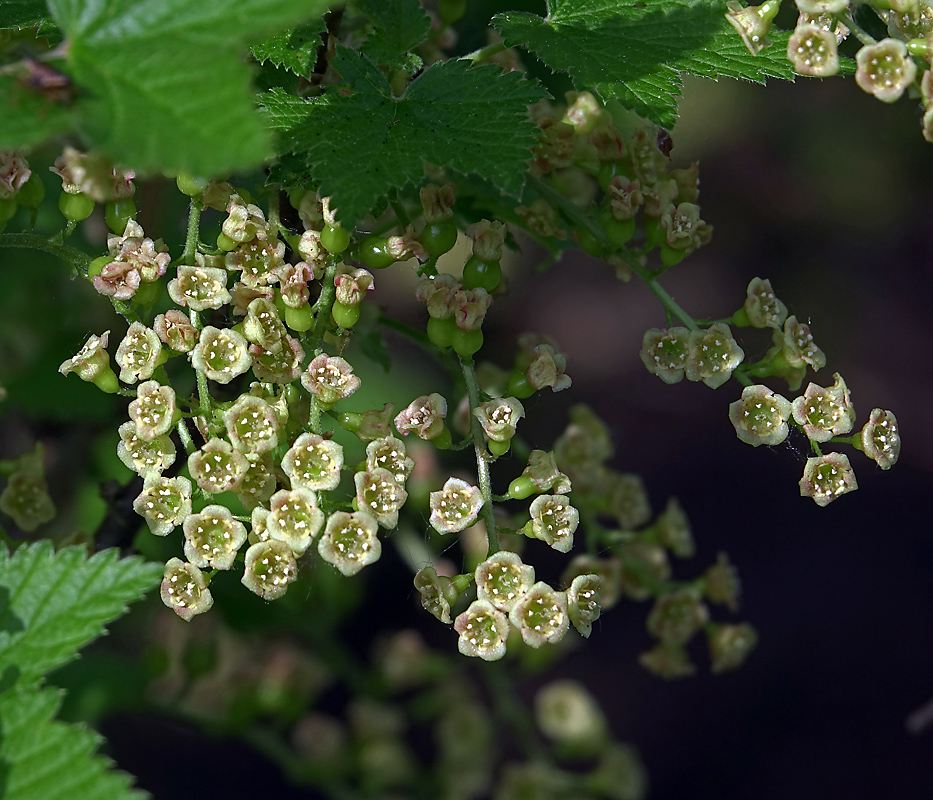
798, 347
221, 354
627, 499
313, 462
677, 616
813, 51
668, 661
664, 353
92, 363
282, 366
827, 477
175, 330
554, 521
455, 507
673, 530
184, 589
138, 354
213, 537
885, 69
760, 416
259, 481
880, 438
258, 261
270, 567
294, 518
753, 23
824, 413
14, 172
379, 494
502, 579
548, 369
483, 631
644, 566
822, 6
217, 467
199, 288
762, 308
499, 417
263, 326
26, 499
389, 453
730, 645
141, 456
153, 411
329, 379
722, 584
164, 503
424, 416
252, 425
434, 590
541, 475
712, 355
608, 570
583, 603
349, 541
541, 615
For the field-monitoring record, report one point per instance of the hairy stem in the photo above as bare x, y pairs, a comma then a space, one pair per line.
75, 258
482, 462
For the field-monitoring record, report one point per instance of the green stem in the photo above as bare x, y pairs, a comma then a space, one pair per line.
193, 237
8, 540
478, 56
185, 435
78, 260
413, 333
860, 33
324, 304
482, 464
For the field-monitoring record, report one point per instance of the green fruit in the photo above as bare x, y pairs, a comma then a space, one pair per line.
590, 244
451, 11
118, 212
345, 316
97, 265
148, 293
190, 185
75, 207
466, 343
299, 319
225, 243
32, 193
670, 256
373, 253
478, 274
335, 239
654, 233
441, 331
519, 386
499, 448
8, 206
618, 232
439, 237
521, 488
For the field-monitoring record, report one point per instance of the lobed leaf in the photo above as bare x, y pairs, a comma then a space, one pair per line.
399, 27
636, 51
162, 83
294, 50
17, 14
52, 604
44, 759
361, 142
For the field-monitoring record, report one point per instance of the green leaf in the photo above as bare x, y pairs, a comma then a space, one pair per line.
43, 759
360, 141
22, 13
399, 27
636, 51
164, 85
52, 604
294, 50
